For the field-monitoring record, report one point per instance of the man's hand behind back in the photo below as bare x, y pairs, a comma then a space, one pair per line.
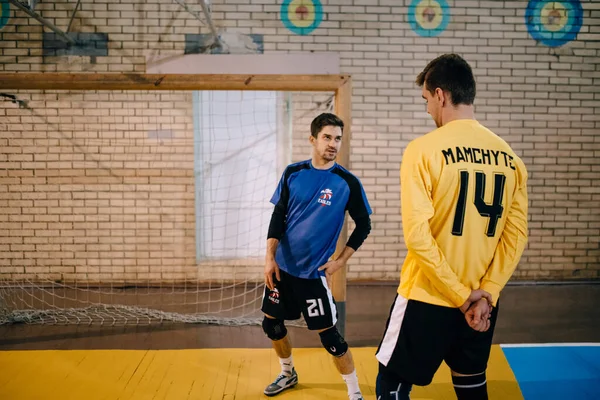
478, 315
476, 295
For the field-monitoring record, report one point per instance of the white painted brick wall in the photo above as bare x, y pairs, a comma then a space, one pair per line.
545, 102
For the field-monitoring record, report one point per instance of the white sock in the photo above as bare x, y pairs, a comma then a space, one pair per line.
286, 365
352, 382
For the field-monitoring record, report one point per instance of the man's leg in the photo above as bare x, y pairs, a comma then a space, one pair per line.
335, 345
276, 331
468, 360
283, 346
389, 386
277, 306
470, 387
414, 342
318, 307
345, 363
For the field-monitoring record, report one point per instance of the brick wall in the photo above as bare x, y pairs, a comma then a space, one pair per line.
88, 195
543, 101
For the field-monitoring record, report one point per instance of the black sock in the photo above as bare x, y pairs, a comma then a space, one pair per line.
472, 387
390, 387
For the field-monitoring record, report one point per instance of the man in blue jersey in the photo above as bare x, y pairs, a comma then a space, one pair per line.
310, 206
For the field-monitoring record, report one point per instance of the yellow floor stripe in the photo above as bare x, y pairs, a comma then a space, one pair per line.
206, 374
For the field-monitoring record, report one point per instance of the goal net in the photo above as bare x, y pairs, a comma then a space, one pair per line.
136, 207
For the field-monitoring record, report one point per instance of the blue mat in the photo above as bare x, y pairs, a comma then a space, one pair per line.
556, 372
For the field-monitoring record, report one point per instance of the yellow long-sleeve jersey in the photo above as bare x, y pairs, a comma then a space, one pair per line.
464, 213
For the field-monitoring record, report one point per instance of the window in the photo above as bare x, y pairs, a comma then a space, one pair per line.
242, 143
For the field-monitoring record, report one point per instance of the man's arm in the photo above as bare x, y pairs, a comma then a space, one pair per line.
417, 209
276, 230
271, 267
359, 210
277, 224
510, 247
272, 244
359, 234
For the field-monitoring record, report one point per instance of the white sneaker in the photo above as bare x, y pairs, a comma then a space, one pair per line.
356, 396
283, 382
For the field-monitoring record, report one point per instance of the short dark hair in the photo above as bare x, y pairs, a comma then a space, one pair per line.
323, 120
452, 74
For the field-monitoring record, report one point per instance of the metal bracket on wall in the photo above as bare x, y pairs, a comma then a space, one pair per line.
73, 15
197, 15
211, 25
60, 43
206, 10
29, 11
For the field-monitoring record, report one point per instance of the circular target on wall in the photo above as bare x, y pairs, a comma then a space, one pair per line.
301, 16
428, 17
554, 23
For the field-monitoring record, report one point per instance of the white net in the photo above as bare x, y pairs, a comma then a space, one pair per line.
142, 207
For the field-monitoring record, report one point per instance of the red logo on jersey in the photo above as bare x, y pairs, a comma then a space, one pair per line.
325, 197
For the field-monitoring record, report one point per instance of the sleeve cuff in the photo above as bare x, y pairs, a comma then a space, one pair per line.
492, 288
460, 296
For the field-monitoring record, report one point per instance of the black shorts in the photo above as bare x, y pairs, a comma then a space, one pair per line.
419, 336
293, 296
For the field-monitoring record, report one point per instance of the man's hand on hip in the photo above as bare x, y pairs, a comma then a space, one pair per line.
330, 268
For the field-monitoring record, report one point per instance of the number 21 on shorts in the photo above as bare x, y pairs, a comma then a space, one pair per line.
315, 307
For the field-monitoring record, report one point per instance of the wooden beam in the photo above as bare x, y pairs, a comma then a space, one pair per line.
343, 109
125, 81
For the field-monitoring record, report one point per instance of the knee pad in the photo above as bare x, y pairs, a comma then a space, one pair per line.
333, 342
274, 328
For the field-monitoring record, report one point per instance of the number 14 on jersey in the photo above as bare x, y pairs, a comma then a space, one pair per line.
491, 211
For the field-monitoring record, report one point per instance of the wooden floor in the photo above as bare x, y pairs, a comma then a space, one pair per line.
206, 374
179, 361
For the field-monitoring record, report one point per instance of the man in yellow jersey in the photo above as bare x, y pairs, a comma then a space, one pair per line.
464, 215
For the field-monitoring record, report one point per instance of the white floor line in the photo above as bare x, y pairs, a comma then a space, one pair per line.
508, 345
